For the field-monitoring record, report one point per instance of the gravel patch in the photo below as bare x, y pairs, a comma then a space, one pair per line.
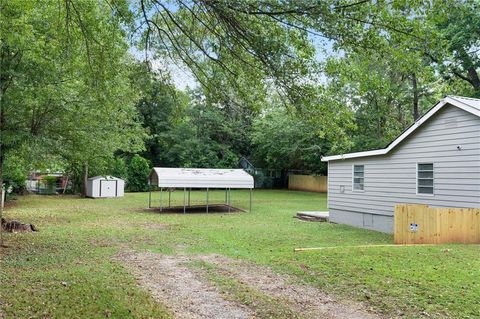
189, 295
179, 288
307, 301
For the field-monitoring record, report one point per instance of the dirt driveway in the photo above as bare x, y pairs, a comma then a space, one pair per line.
177, 282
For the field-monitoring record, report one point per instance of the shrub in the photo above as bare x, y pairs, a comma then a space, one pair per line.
15, 174
119, 168
50, 184
138, 169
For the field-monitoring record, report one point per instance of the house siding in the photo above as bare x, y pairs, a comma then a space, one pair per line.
391, 178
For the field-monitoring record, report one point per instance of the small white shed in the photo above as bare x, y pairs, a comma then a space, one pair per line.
105, 186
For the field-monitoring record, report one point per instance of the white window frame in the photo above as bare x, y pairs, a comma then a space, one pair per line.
433, 179
353, 178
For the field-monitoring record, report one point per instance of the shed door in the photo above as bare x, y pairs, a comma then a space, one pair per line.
107, 188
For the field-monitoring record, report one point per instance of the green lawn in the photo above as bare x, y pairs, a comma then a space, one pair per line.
67, 269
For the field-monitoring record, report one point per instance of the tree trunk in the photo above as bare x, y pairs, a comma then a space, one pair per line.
1, 193
415, 112
2, 156
473, 74
85, 179
379, 119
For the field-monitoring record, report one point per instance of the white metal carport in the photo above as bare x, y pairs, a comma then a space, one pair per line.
199, 178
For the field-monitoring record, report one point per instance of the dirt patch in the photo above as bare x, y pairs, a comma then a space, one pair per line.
305, 300
9, 204
195, 209
183, 290
179, 288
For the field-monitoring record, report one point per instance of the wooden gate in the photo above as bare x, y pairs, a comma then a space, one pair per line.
421, 224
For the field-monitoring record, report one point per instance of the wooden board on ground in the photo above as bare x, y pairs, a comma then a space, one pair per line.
357, 247
313, 216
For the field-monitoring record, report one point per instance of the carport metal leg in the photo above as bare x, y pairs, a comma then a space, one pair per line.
189, 196
229, 200
149, 196
169, 197
207, 200
225, 196
161, 198
184, 194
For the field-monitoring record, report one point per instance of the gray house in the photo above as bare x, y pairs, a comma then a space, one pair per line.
435, 162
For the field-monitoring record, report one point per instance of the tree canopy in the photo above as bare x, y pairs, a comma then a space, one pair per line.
280, 82
64, 89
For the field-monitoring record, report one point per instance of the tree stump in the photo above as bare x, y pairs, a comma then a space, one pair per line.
14, 226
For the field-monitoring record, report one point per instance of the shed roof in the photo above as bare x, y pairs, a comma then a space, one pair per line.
200, 178
468, 104
104, 178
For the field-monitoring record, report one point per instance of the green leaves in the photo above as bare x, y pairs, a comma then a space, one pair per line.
285, 141
138, 170
456, 55
67, 89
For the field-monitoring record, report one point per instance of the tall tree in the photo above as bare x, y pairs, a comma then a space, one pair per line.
62, 80
160, 107
385, 93
283, 140
266, 42
207, 135
457, 54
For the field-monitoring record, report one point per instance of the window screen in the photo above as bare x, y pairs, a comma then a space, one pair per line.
358, 177
425, 178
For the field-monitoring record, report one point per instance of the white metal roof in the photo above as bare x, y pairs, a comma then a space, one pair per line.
104, 178
470, 105
200, 178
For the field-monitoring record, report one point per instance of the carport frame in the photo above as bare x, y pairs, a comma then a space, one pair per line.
199, 178
227, 202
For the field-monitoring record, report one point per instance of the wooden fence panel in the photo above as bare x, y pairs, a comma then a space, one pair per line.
308, 183
421, 224
399, 220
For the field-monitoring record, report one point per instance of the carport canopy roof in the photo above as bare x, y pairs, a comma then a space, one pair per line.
200, 178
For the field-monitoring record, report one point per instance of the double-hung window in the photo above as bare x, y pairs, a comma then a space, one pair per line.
358, 177
425, 178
